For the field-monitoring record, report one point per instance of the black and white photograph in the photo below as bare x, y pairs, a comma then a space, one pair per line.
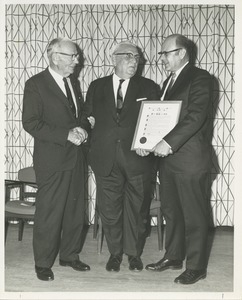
90, 211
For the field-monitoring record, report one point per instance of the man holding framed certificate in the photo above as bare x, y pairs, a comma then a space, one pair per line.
184, 164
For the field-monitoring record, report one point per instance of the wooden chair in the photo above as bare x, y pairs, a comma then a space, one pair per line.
155, 211
22, 209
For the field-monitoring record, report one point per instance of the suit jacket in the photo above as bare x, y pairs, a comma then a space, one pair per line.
108, 130
190, 138
48, 118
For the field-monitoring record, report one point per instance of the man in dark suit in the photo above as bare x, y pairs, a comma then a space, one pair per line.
184, 168
52, 114
123, 178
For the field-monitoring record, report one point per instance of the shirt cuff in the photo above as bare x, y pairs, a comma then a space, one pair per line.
168, 145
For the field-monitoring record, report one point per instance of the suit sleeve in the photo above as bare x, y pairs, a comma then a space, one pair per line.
33, 120
199, 96
88, 106
154, 92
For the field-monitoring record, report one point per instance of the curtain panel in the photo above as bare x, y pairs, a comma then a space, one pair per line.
96, 29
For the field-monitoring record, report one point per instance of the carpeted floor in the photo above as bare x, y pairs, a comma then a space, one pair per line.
20, 277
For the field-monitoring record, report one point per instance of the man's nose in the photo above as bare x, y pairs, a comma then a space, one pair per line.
162, 56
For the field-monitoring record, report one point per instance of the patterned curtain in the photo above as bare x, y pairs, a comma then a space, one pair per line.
96, 28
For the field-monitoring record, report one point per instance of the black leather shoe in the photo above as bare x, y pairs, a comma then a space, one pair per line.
165, 264
135, 263
44, 273
75, 264
113, 263
191, 276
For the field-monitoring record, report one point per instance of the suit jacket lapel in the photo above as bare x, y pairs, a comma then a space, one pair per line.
59, 93
179, 81
131, 92
78, 95
164, 87
109, 96
55, 88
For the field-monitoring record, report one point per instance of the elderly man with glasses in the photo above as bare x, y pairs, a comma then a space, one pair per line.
185, 163
52, 114
123, 177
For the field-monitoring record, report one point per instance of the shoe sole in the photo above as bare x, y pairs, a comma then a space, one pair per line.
165, 268
44, 279
194, 281
76, 269
112, 270
135, 270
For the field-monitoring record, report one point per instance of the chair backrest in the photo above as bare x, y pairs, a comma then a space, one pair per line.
27, 175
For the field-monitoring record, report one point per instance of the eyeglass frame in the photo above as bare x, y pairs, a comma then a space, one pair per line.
167, 52
73, 56
129, 56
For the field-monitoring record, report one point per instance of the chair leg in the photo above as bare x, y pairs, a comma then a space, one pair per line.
20, 230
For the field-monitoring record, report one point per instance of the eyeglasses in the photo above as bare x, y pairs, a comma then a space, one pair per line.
129, 56
167, 52
73, 56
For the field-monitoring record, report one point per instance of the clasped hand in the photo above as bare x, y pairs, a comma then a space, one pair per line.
77, 136
162, 149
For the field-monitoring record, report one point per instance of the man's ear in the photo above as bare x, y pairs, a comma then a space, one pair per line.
114, 60
54, 58
182, 53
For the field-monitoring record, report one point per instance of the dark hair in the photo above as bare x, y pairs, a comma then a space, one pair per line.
184, 42
190, 47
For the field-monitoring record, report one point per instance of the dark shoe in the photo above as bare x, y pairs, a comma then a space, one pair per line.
113, 263
75, 264
165, 264
44, 273
135, 263
191, 276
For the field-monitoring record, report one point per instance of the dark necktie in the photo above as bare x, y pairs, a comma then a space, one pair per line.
69, 96
120, 97
173, 76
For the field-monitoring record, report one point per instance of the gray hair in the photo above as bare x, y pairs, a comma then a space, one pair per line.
55, 45
117, 46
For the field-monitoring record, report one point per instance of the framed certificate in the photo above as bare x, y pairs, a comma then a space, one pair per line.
156, 119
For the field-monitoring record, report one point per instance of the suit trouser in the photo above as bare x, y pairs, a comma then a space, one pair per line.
123, 203
59, 216
184, 200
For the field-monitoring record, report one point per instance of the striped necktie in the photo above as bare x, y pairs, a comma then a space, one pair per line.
120, 97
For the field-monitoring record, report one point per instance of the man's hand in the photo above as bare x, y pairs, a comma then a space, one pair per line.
142, 152
77, 136
162, 149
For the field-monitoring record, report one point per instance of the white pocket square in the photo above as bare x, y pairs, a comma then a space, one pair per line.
140, 99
